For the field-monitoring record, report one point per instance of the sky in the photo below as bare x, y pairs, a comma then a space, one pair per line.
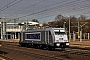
43, 10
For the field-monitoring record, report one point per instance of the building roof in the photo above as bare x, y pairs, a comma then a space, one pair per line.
30, 23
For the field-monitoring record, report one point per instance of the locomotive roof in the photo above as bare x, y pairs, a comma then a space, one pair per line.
47, 29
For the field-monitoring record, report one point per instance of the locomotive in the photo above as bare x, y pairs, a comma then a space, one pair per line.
50, 38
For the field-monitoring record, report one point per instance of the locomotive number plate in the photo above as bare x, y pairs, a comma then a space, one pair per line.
60, 38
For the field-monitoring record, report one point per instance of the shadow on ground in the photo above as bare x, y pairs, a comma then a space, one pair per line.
2, 52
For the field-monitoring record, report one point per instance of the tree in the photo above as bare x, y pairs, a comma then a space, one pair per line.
44, 24
82, 17
35, 20
58, 17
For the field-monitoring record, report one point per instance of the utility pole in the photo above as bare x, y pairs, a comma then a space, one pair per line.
26, 23
81, 31
3, 28
15, 27
64, 25
78, 31
88, 36
69, 29
81, 35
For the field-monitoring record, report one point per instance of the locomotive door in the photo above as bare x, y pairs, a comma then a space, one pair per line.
49, 37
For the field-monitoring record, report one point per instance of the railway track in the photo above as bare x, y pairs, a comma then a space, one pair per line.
68, 54
6, 57
34, 55
70, 51
77, 52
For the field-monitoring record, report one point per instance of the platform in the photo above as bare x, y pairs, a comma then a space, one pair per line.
85, 44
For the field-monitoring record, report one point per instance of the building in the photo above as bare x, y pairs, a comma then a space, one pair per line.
12, 30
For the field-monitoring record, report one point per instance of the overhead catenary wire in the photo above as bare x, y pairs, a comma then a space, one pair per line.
31, 6
9, 5
73, 10
48, 15
72, 3
42, 11
18, 12
76, 0
43, 7
47, 9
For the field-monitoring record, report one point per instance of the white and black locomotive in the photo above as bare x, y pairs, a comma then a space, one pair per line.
50, 38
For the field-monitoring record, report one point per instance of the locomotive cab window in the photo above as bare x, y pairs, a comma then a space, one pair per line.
58, 32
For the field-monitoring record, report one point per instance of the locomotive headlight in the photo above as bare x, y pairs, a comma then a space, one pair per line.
57, 44
67, 43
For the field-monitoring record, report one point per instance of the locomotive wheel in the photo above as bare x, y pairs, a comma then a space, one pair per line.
51, 48
63, 49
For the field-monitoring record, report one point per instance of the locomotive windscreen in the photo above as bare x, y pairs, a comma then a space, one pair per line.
57, 32
33, 36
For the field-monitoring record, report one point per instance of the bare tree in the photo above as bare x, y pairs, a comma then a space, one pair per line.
59, 17
35, 20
